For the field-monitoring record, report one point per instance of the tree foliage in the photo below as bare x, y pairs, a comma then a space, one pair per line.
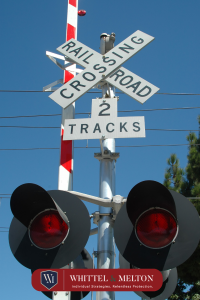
187, 182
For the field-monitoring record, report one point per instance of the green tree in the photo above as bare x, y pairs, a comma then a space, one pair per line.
187, 182
174, 174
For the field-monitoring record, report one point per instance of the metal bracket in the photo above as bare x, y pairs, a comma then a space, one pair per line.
68, 62
69, 59
61, 295
92, 199
94, 231
99, 85
117, 202
63, 67
106, 155
97, 215
48, 88
96, 253
69, 66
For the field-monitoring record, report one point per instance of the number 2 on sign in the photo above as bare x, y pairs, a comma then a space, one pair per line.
104, 108
101, 112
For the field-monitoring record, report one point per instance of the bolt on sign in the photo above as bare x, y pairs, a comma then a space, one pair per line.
104, 123
104, 67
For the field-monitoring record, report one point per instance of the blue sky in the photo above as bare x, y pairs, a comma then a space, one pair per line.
170, 62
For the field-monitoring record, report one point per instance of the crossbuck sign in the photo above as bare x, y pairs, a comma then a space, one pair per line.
104, 67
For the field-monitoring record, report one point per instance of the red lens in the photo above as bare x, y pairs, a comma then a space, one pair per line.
81, 12
156, 228
48, 230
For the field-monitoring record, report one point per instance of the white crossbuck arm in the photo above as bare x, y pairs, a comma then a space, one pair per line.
104, 67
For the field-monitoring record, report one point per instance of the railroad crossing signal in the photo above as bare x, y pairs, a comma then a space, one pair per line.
157, 228
104, 67
44, 232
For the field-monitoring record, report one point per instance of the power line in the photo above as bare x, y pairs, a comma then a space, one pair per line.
20, 149
159, 129
135, 146
155, 109
157, 145
95, 92
30, 116
88, 113
18, 126
57, 127
179, 94
35, 91
4, 194
85, 147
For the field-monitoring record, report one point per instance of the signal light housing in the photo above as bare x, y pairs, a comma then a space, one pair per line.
181, 242
32, 242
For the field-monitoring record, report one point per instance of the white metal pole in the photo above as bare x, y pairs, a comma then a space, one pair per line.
105, 248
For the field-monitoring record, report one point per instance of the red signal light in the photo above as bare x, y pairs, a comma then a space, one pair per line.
48, 230
156, 228
82, 13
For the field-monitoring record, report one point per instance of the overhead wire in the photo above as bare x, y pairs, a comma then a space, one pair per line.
30, 116
88, 113
35, 91
58, 127
4, 194
93, 92
95, 147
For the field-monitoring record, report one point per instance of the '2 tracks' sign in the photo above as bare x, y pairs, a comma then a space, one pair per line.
104, 123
